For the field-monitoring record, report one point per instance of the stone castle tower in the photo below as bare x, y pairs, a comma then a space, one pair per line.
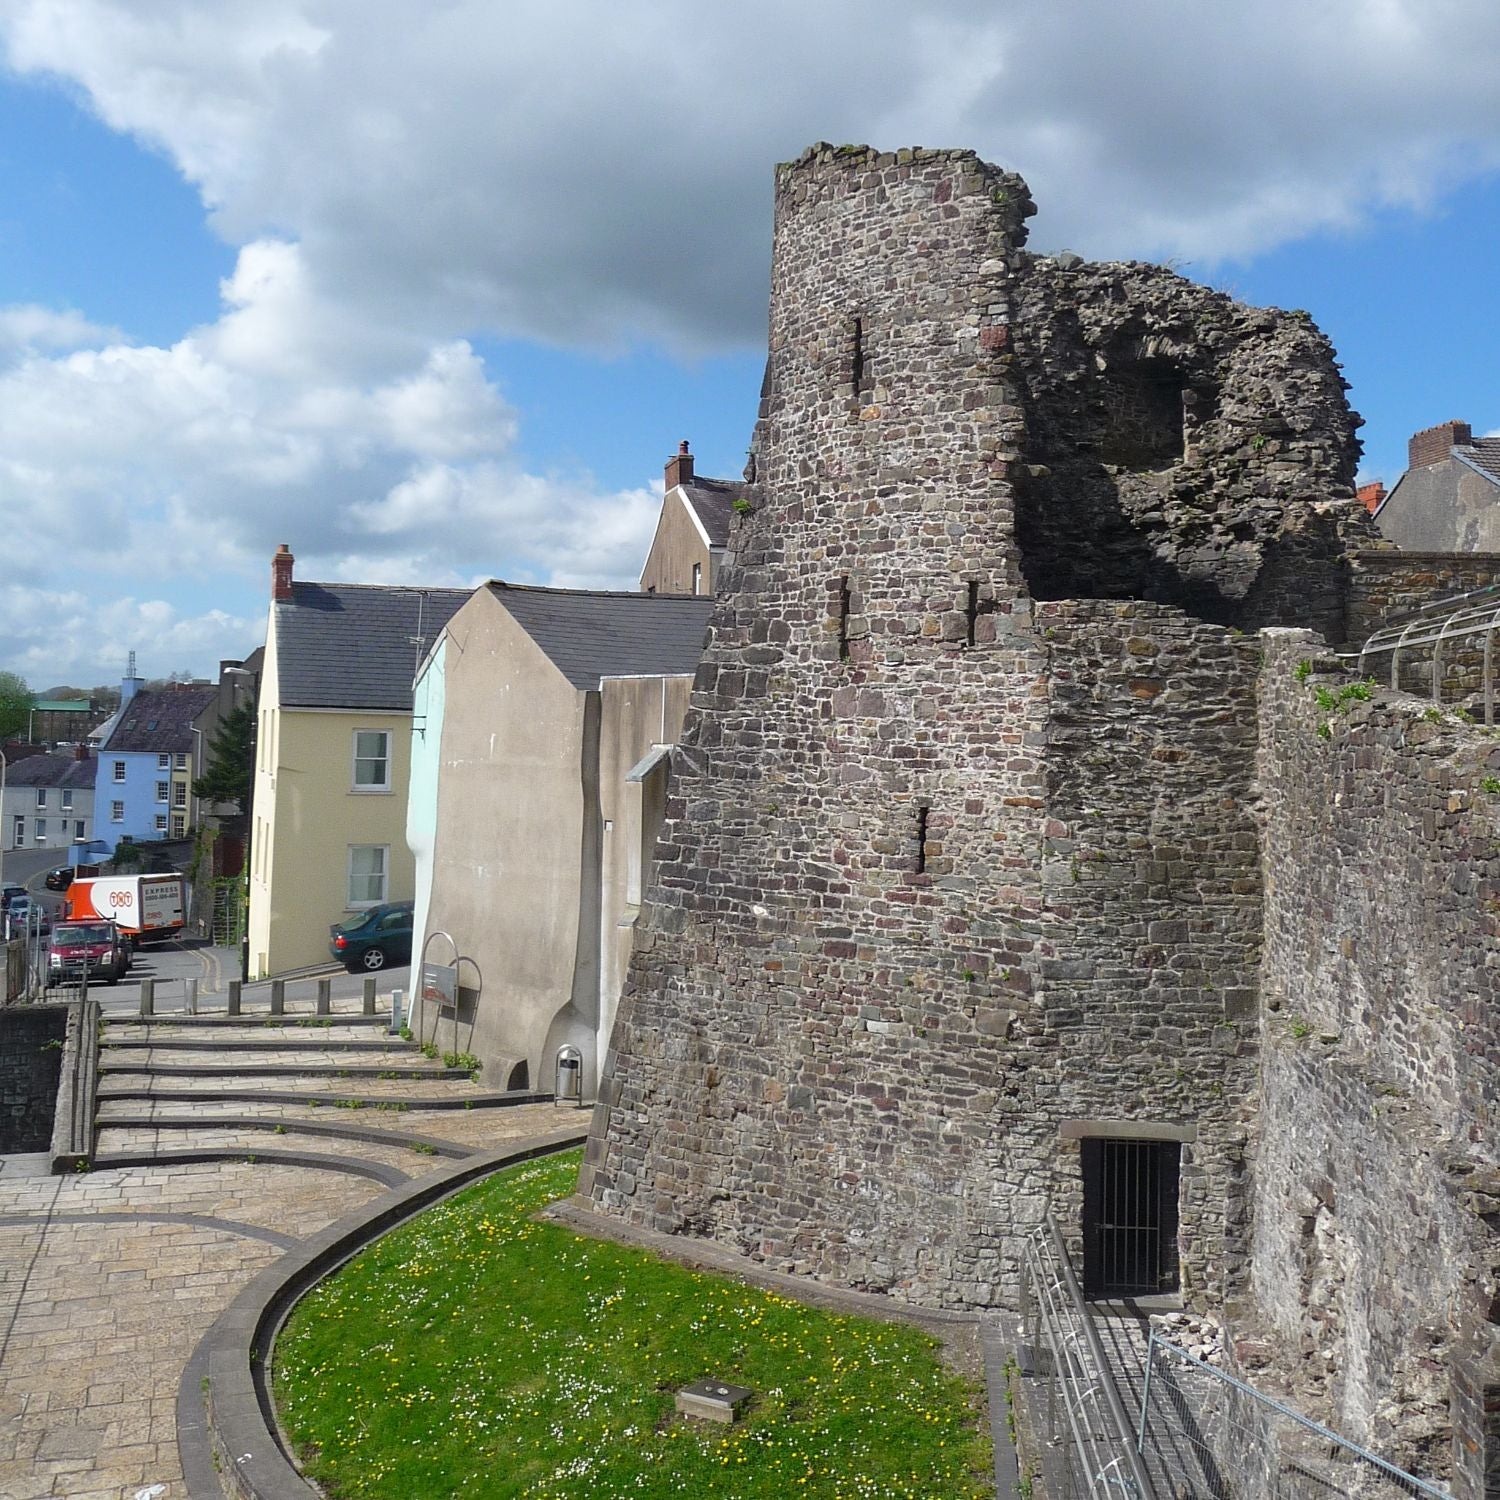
957, 907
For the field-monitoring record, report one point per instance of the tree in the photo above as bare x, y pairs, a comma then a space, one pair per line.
226, 778
16, 701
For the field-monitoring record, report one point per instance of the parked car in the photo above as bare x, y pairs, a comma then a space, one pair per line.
26, 915
59, 879
9, 893
374, 938
98, 947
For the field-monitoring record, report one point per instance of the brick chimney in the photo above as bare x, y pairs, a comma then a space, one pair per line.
1433, 444
1371, 495
80, 752
680, 467
281, 573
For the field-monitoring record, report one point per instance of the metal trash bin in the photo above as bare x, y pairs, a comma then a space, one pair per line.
568, 1085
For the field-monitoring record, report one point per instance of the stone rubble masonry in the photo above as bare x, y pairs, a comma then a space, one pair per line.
952, 859
1376, 1170
31, 1041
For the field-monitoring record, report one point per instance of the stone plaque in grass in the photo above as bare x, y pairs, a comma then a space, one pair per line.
712, 1400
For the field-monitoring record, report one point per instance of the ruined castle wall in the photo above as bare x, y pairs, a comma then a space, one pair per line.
1385, 585
941, 884
1182, 447
1375, 1167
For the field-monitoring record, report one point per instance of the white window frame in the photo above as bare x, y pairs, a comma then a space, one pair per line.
163, 791
697, 578
370, 788
161, 823
39, 830
79, 825
179, 825
365, 902
18, 830
179, 794
67, 798
180, 760
163, 761
119, 771
41, 796
116, 812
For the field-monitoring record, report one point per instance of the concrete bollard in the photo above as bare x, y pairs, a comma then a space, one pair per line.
190, 993
369, 995
148, 997
278, 997
396, 1001
234, 997
325, 997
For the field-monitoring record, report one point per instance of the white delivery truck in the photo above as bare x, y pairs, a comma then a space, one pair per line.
146, 908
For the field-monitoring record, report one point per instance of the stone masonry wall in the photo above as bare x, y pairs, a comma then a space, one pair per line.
1182, 447
943, 872
1385, 585
30, 1063
1376, 1172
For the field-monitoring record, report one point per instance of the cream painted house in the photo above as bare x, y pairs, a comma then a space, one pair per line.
692, 530
539, 789
332, 758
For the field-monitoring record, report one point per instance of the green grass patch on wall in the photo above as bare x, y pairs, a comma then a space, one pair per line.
476, 1352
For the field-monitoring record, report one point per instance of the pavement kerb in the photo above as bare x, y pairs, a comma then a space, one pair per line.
238, 1447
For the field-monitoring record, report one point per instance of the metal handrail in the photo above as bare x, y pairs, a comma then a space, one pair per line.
1400, 1476
1112, 1400
1060, 1279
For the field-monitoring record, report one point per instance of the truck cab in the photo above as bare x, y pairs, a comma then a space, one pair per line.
94, 947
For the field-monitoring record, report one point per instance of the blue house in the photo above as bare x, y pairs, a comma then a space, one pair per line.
148, 760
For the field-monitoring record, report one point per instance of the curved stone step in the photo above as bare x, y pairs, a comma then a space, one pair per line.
380, 1172
397, 1070
251, 1132
471, 1097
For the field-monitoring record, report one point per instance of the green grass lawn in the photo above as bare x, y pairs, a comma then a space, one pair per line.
475, 1352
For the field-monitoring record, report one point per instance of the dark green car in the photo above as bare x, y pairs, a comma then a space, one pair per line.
374, 939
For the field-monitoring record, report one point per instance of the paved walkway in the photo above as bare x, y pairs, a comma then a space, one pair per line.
109, 1279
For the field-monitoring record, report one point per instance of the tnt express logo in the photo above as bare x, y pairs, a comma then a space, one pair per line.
118, 899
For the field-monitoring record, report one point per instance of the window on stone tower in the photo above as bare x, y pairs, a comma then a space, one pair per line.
843, 618
1143, 414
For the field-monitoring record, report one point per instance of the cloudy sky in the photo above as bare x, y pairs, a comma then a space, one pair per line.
430, 291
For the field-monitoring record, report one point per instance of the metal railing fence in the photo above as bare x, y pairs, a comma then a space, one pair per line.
1085, 1417
1214, 1437
1430, 633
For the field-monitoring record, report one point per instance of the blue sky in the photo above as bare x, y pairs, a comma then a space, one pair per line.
436, 304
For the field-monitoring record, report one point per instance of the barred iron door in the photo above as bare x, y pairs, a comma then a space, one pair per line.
1129, 1217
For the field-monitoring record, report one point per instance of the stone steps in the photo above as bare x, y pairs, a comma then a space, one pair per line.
186, 1089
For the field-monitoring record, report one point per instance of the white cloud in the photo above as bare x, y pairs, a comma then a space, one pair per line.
592, 173
58, 636
26, 328
400, 180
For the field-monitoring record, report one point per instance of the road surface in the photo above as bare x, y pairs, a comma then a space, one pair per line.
171, 965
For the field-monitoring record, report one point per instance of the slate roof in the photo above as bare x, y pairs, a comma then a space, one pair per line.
713, 502
354, 645
54, 770
588, 634
1483, 453
159, 720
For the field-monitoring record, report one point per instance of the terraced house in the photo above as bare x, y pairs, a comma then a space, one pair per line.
333, 757
147, 762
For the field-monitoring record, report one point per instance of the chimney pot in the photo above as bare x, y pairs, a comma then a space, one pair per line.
80, 752
281, 573
680, 467
1435, 444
